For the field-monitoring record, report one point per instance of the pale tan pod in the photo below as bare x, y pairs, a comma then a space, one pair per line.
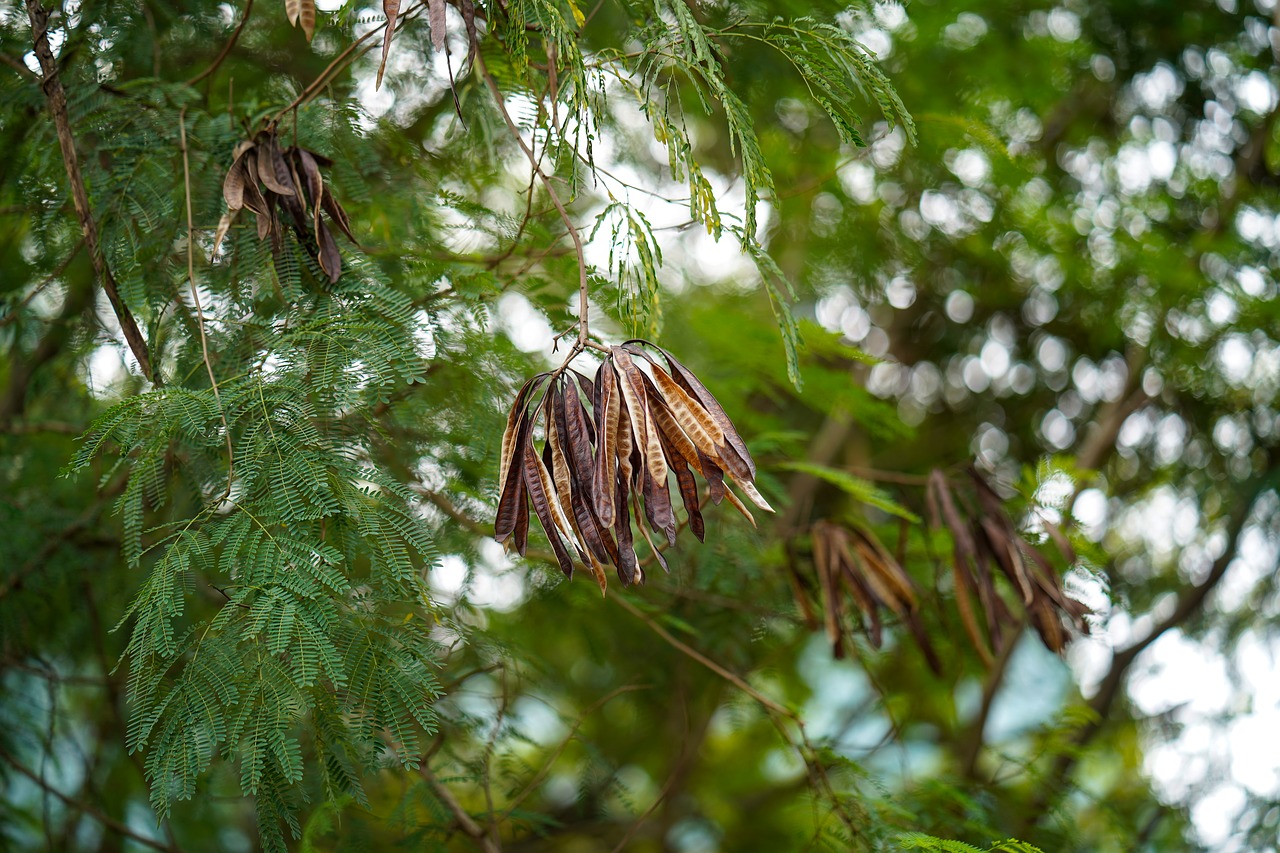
692, 417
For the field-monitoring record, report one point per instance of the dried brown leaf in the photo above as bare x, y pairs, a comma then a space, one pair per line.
328, 255
307, 17
436, 21
390, 8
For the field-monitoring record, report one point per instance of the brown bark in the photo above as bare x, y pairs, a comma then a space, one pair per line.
57, 98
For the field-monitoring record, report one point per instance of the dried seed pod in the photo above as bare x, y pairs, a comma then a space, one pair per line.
609, 446
272, 181
874, 580
989, 538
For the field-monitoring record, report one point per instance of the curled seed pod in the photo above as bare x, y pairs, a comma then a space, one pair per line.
274, 182
611, 445
852, 559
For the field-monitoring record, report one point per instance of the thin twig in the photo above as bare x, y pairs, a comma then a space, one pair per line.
13, 314
583, 302
57, 98
465, 822
16, 65
564, 743
779, 714
342, 59
195, 297
686, 756
52, 543
104, 819
1190, 601
729, 676
226, 48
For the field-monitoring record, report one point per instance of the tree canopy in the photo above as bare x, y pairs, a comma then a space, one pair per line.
668, 425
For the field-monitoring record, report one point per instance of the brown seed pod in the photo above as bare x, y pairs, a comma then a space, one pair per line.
272, 182
609, 445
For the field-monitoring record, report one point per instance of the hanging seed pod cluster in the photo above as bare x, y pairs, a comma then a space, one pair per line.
852, 559
275, 182
608, 445
984, 536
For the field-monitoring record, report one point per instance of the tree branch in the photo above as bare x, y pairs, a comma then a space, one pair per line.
583, 302
1190, 602
195, 297
104, 819
226, 48
52, 543
57, 98
465, 822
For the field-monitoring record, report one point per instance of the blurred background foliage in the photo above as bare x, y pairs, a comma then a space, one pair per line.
1066, 281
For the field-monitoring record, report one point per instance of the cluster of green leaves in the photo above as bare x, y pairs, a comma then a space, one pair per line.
323, 639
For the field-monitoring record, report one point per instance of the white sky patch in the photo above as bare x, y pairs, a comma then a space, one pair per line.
1256, 92
959, 306
1133, 169
1158, 87
970, 165
448, 577
1177, 672
1063, 24
1090, 511
1235, 357
965, 32
525, 325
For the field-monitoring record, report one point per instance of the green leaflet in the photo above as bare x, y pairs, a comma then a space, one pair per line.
861, 490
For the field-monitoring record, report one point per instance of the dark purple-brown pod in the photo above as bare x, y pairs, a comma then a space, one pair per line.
328, 255
1004, 550
521, 532
312, 183
542, 507
714, 476
607, 417
253, 198
579, 440
658, 509
627, 563
268, 154
583, 519
688, 488
513, 492
337, 214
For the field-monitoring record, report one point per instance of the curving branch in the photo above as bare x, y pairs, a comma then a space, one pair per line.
1190, 602
226, 48
104, 819
465, 822
584, 340
57, 98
